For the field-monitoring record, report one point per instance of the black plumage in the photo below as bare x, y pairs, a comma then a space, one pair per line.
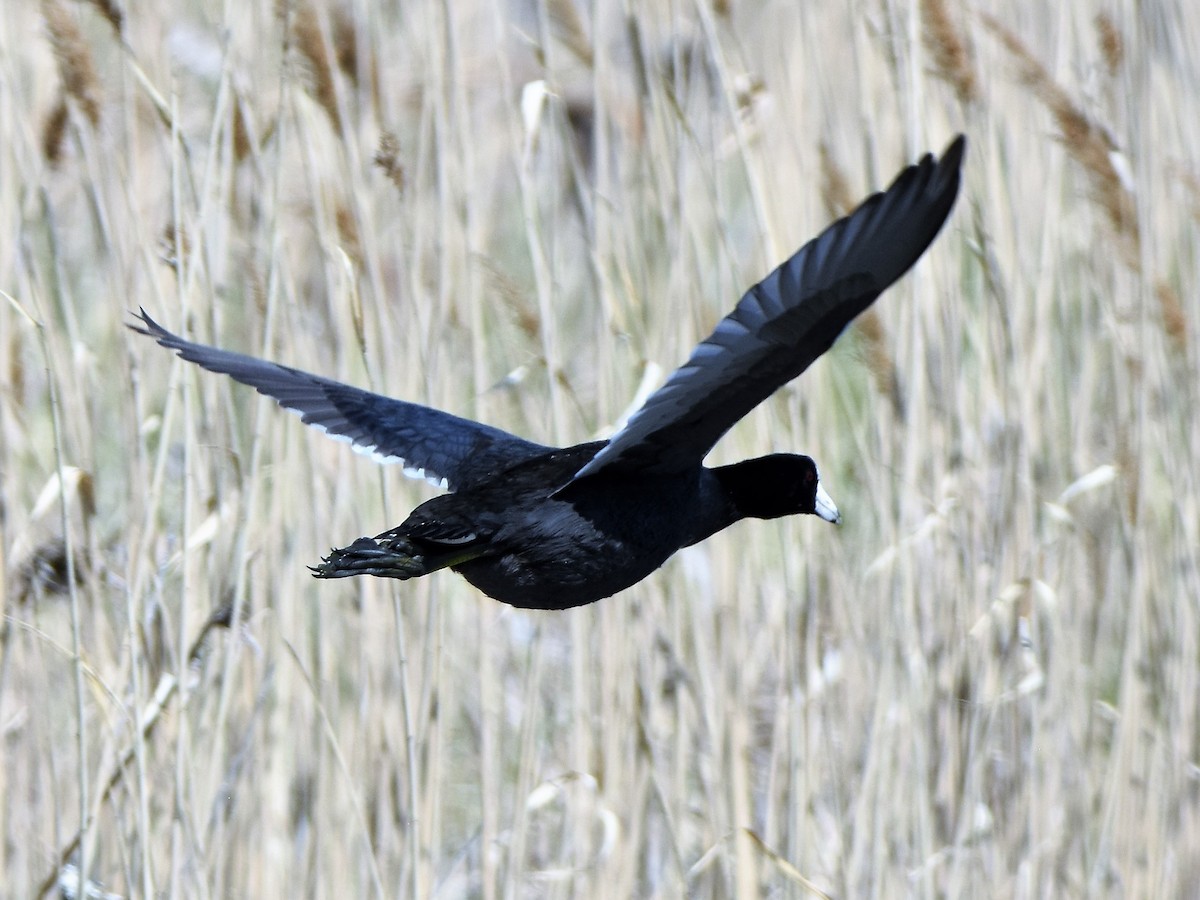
551, 528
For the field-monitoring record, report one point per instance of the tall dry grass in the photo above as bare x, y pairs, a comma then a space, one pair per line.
983, 684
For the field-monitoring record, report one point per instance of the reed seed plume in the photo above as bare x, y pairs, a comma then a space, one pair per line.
836, 195
44, 572
54, 130
174, 244
221, 619
16, 381
1175, 321
524, 312
1191, 184
839, 200
880, 361
314, 51
76, 67
568, 27
241, 130
951, 54
387, 158
1091, 145
345, 43
349, 236
1112, 44
112, 13
1087, 141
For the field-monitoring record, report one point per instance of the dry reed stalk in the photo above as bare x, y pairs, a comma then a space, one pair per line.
149, 717
76, 67
950, 52
871, 712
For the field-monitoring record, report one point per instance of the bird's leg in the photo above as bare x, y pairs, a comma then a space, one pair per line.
366, 556
390, 556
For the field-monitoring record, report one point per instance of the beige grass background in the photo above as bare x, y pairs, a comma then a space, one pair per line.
984, 684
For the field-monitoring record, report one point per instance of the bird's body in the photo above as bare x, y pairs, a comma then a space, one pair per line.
509, 535
548, 528
521, 530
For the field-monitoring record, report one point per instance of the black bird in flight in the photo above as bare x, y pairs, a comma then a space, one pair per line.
551, 528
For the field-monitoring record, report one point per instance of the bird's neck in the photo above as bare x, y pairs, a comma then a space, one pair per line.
716, 508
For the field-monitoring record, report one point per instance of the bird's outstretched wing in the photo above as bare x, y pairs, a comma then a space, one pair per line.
447, 450
786, 321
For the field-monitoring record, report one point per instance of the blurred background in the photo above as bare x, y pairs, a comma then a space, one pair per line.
983, 684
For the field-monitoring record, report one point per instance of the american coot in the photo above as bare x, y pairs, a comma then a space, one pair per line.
550, 528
